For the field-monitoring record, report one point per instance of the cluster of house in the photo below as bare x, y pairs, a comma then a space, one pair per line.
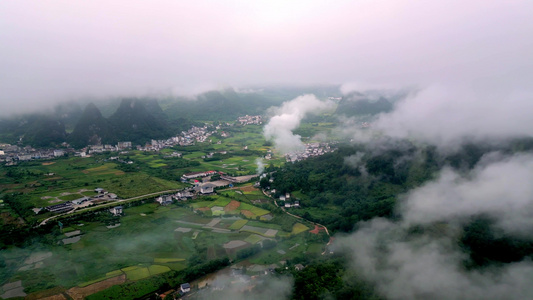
187, 194
11, 154
249, 120
120, 146
311, 149
69, 205
287, 201
185, 138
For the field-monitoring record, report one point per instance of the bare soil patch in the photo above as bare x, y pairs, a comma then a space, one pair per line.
234, 244
317, 230
51, 294
54, 297
233, 205
204, 208
248, 188
48, 163
78, 293
247, 213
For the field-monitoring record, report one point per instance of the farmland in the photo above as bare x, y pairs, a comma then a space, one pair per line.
150, 240
96, 250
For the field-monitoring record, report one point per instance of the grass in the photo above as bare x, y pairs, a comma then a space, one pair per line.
257, 211
221, 201
238, 224
298, 228
168, 260
71, 197
201, 204
157, 269
107, 276
253, 239
136, 273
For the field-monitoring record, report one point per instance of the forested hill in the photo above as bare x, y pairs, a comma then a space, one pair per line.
354, 182
91, 129
224, 105
358, 104
133, 122
37, 130
361, 182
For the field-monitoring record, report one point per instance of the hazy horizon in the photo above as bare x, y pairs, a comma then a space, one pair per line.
60, 50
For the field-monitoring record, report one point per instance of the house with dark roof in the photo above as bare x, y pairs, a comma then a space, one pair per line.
99, 190
60, 207
185, 287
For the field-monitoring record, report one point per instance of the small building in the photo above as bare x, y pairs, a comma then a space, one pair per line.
58, 153
299, 267
194, 175
185, 287
287, 196
164, 199
287, 204
60, 207
80, 200
116, 211
206, 188
296, 204
99, 190
282, 198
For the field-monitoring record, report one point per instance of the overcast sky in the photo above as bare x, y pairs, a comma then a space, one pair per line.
57, 50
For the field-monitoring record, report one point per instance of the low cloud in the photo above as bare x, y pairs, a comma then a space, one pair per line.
260, 166
288, 117
261, 288
449, 115
430, 265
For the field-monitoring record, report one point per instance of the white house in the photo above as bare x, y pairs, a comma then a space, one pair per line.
116, 211
207, 188
164, 200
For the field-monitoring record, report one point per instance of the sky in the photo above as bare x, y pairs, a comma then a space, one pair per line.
60, 50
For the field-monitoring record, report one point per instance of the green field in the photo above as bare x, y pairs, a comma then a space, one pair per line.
151, 240
238, 224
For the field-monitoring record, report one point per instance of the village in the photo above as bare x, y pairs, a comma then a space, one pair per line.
217, 202
11, 154
311, 149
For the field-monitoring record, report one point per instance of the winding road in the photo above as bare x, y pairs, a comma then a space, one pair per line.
301, 218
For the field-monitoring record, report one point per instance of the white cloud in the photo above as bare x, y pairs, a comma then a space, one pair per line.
429, 265
288, 117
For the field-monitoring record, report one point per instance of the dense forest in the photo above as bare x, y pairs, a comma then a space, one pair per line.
360, 182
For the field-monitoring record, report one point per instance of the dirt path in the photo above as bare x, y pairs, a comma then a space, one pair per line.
78, 293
